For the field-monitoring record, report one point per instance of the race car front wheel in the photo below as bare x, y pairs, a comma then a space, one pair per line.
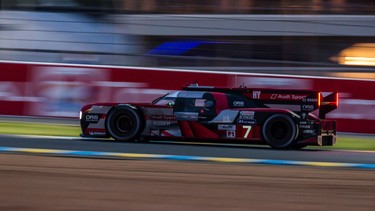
279, 131
124, 123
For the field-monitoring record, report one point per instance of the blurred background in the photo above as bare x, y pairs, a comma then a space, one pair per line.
315, 37
57, 55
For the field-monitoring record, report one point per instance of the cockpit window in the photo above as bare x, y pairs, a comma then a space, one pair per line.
199, 102
168, 99
190, 105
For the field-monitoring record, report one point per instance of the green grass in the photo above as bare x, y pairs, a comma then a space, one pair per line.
355, 143
22, 128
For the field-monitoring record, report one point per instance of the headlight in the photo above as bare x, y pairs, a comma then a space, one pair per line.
80, 115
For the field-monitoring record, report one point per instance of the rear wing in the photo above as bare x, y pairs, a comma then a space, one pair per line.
304, 101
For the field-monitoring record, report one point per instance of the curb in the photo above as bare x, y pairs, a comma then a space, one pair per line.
185, 158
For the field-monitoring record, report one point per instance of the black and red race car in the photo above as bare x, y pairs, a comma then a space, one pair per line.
279, 118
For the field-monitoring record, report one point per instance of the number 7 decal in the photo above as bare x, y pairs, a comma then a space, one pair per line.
248, 129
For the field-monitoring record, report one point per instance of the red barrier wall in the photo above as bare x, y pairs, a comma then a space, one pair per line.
59, 90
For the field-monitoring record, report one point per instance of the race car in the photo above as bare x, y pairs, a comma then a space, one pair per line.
282, 119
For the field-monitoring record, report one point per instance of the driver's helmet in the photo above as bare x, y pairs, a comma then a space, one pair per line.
208, 104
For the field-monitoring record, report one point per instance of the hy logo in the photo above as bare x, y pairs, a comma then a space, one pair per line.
256, 94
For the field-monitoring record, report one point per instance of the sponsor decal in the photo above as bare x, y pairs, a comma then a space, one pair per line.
246, 117
96, 133
247, 122
304, 116
161, 117
161, 123
306, 126
287, 97
92, 118
309, 131
307, 107
226, 127
298, 97
231, 134
256, 94
238, 104
247, 113
310, 100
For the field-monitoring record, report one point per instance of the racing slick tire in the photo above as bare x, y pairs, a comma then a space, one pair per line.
279, 131
124, 123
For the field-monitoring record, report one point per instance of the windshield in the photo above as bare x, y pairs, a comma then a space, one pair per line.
167, 99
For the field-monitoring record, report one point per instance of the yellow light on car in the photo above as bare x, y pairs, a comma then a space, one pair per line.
319, 99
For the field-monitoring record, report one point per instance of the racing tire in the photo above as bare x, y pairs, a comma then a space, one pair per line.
124, 123
279, 131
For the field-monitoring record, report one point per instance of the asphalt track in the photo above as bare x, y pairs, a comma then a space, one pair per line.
32, 182
76, 146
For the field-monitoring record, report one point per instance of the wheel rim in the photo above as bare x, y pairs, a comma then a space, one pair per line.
124, 123
279, 130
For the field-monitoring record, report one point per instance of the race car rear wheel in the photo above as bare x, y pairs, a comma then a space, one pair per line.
279, 131
124, 123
